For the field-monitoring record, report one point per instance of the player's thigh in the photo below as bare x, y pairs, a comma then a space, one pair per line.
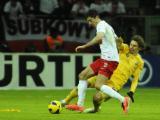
86, 73
101, 80
91, 82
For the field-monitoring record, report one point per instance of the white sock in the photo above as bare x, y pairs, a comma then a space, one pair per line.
112, 93
82, 86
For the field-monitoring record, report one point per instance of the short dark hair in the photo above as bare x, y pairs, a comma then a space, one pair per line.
139, 39
92, 13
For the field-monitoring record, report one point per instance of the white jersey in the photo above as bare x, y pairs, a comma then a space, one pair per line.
108, 46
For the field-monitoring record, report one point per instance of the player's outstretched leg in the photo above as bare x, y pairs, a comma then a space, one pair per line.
98, 98
82, 86
73, 94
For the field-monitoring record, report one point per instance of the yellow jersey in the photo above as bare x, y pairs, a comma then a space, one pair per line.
129, 65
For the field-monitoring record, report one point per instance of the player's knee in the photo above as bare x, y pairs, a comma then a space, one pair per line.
98, 86
82, 76
97, 97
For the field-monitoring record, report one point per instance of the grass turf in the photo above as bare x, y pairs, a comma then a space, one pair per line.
33, 106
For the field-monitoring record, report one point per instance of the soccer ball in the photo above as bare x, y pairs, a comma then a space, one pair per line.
55, 107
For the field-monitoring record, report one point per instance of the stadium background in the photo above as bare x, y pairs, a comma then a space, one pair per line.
27, 65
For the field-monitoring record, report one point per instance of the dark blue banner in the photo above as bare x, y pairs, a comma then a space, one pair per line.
150, 76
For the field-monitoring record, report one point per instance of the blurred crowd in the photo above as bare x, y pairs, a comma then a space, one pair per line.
77, 9
70, 9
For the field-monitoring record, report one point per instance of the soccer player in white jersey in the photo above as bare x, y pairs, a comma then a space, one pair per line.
102, 67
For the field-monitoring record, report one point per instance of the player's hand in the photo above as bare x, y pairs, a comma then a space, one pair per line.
130, 94
79, 48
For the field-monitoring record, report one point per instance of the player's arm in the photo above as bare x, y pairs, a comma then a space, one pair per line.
122, 47
119, 42
96, 40
134, 83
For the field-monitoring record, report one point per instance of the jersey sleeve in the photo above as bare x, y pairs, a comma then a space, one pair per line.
123, 48
136, 76
101, 27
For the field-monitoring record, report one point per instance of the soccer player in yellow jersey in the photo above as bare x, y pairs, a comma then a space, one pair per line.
131, 64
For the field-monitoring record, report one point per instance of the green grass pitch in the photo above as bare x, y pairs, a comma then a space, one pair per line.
33, 106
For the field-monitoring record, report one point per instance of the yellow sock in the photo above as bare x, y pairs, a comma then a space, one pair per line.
71, 95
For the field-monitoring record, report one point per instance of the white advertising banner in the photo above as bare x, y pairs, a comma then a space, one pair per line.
52, 71
38, 28
41, 71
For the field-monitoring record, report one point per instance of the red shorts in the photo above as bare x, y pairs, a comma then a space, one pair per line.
104, 67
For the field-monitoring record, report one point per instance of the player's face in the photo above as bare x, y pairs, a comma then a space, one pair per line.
133, 47
92, 21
